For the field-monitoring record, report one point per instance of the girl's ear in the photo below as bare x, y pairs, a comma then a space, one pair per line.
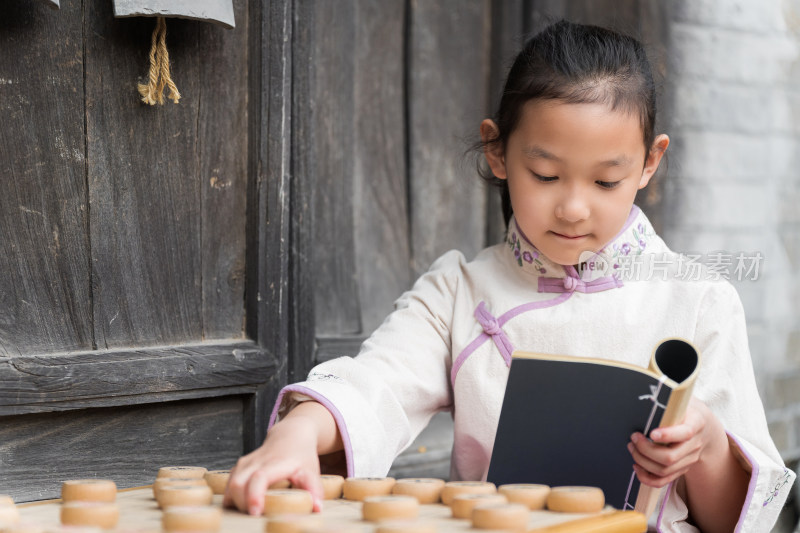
493, 152
653, 159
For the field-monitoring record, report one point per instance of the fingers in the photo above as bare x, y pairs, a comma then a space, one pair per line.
231, 498
255, 472
658, 464
227, 497
672, 434
672, 451
288, 452
246, 489
255, 489
647, 478
236, 493
662, 467
250, 479
311, 482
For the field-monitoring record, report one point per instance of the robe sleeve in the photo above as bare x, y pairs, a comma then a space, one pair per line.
386, 395
727, 384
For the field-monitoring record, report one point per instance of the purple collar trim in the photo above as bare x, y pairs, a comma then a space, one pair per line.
573, 283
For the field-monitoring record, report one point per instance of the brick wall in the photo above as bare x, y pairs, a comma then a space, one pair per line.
732, 102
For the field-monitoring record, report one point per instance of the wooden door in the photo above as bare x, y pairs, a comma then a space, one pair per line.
143, 250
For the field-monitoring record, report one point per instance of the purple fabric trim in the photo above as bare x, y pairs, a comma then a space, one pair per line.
337, 416
751, 487
663, 504
471, 347
493, 329
480, 339
572, 284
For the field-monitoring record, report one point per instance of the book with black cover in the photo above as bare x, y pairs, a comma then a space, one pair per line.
567, 420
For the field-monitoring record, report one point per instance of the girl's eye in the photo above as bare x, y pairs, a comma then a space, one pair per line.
607, 184
544, 179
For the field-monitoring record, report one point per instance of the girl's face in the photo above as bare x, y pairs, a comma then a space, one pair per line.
573, 171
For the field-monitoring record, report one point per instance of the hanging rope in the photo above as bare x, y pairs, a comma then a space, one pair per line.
159, 76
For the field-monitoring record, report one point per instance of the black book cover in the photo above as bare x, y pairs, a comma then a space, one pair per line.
567, 420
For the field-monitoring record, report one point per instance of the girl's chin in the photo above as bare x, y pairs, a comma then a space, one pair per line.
567, 258
565, 261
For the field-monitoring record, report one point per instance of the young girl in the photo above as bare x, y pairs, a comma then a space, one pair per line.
572, 143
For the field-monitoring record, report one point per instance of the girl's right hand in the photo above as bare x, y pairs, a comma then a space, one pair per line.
289, 452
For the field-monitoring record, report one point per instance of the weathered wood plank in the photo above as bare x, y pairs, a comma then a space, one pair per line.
621, 15
269, 176
39, 383
330, 109
221, 152
541, 13
380, 197
247, 391
258, 409
128, 445
144, 186
44, 250
302, 273
147, 169
269, 292
507, 38
447, 98
218, 11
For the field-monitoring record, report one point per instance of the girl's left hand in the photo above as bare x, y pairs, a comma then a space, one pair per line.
672, 451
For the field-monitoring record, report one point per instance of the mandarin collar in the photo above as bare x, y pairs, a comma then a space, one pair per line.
633, 239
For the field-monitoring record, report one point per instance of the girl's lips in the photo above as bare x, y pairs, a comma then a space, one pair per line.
570, 237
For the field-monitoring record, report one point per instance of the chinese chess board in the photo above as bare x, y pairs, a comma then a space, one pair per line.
138, 511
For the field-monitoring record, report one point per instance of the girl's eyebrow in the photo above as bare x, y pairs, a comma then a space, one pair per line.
537, 152
619, 161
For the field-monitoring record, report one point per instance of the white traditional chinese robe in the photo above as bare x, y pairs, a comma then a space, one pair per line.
448, 346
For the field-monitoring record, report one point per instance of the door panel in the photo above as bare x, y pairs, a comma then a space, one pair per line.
143, 248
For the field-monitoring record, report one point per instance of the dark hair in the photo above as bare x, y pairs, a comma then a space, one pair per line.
575, 63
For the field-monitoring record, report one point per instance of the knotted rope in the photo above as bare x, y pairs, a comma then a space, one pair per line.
492, 328
159, 77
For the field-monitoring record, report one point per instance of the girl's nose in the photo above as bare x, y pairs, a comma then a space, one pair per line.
572, 208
